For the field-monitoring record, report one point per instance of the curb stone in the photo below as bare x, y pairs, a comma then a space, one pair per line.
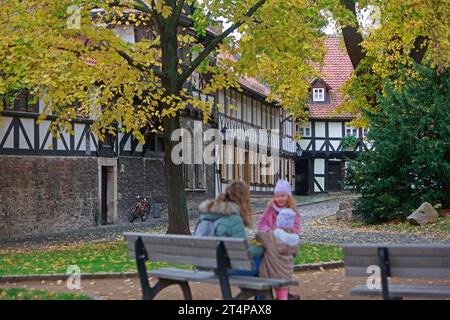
314, 202
319, 266
114, 275
62, 276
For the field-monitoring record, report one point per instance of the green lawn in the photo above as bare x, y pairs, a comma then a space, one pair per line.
90, 258
113, 257
24, 294
311, 253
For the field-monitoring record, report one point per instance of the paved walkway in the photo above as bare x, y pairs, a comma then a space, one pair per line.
314, 285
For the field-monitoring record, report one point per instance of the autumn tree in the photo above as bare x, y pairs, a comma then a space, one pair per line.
382, 94
85, 68
396, 35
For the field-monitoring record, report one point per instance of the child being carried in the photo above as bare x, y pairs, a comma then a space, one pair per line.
281, 246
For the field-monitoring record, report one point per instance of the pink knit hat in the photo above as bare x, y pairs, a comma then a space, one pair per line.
283, 186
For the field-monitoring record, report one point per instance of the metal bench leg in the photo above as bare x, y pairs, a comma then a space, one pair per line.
141, 257
385, 268
246, 294
187, 294
163, 283
223, 264
268, 294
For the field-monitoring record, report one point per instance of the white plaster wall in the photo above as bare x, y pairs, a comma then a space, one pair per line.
335, 129
28, 124
321, 181
320, 129
4, 125
319, 166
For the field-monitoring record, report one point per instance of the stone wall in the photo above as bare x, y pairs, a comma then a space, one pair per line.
144, 176
47, 194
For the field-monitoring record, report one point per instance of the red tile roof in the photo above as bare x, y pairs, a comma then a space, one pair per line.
254, 84
335, 71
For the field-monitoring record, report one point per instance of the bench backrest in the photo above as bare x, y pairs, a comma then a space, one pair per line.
191, 250
410, 261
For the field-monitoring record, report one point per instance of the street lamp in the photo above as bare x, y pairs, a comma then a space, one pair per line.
299, 151
224, 131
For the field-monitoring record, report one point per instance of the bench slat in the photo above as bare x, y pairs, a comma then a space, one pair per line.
431, 273
244, 282
187, 241
441, 250
400, 261
200, 262
196, 251
414, 260
405, 291
191, 251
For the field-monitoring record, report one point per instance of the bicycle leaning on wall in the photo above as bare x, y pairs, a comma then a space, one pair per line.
140, 210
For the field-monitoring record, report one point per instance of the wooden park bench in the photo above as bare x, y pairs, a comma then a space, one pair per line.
214, 255
403, 261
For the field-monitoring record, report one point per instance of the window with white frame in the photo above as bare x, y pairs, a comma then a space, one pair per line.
318, 94
305, 131
351, 131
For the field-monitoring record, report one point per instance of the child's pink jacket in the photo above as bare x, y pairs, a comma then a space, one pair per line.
269, 219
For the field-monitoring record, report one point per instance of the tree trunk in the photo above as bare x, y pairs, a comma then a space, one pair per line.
176, 194
352, 38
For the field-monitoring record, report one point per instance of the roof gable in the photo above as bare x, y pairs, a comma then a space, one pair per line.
335, 72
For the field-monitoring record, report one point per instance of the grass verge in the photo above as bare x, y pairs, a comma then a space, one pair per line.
113, 257
24, 294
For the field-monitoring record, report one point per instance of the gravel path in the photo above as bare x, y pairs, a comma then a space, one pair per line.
311, 232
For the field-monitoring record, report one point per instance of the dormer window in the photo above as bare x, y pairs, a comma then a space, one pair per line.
318, 94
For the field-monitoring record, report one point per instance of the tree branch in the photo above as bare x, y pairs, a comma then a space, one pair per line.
215, 42
139, 66
178, 10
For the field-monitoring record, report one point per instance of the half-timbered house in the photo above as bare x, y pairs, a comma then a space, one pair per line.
321, 167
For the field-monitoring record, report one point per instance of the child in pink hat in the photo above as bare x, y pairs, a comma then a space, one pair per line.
283, 199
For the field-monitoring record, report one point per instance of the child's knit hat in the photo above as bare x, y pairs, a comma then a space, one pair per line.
283, 186
286, 218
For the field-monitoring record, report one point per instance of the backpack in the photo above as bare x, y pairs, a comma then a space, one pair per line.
206, 228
